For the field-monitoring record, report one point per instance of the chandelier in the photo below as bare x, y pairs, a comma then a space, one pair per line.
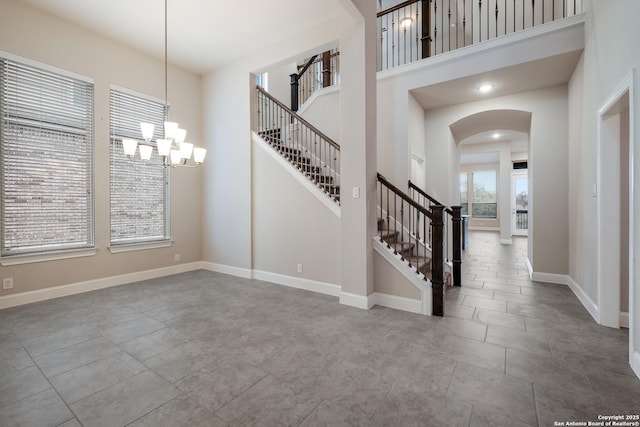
172, 149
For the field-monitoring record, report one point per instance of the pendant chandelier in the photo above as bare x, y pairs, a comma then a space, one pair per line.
172, 149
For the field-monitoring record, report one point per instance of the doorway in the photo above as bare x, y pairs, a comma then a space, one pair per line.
520, 203
616, 234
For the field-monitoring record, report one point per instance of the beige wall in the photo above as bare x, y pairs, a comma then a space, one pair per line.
38, 36
290, 225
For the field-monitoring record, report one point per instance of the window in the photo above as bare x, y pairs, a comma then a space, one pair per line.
46, 159
484, 203
139, 189
464, 202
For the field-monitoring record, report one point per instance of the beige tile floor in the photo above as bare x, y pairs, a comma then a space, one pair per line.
206, 349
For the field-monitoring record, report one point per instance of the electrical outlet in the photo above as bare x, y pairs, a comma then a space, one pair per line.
7, 283
299, 268
355, 192
176, 257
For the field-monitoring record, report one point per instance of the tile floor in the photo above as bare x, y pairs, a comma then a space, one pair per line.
206, 349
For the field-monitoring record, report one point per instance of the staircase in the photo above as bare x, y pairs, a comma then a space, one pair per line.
406, 250
412, 251
311, 152
303, 163
414, 233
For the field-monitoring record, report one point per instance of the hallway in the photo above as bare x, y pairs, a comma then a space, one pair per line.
579, 369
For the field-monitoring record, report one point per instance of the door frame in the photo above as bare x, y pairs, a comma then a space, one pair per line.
608, 223
514, 176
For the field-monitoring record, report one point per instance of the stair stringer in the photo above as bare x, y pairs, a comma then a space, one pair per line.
302, 179
448, 265
406, 279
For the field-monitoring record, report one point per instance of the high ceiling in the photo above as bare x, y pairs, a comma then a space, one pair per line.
547, 72
202, 34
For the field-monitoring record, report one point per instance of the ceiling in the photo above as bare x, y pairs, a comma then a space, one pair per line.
202, 34
547, 72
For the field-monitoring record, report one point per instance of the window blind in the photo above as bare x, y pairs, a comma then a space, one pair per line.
139, 189
46, 160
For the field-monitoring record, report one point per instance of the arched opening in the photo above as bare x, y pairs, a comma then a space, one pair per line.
491, 143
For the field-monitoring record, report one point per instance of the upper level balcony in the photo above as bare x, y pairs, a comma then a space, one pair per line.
412, 30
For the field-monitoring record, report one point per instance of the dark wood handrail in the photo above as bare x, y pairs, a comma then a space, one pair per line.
300, 119
431, 199
396, 7
404, 196
307, 65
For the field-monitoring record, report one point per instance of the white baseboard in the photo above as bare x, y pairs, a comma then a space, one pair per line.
634, 361
358, 301
346, 298
423, 286
21, 298
586, 301
245, 273
624, 319
399, 303
558, 279
506, 241
529, 268
298, 283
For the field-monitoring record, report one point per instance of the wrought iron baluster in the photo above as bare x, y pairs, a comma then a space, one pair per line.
464, 22
480, 21
449, 24
533, 12
435, 27
496, 18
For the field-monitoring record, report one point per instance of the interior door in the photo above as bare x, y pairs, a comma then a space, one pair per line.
520, 204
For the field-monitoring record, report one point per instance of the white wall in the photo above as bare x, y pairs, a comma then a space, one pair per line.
227, 113
415, 136
322, 110
36, 35
547, 154
291, 226
611, 54
280, 82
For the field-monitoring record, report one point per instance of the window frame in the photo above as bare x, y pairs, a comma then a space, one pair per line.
473, 193
115, 146
85, 116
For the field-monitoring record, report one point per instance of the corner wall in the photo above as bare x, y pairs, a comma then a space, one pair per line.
610, 56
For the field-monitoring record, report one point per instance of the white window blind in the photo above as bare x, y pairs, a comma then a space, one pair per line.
139, 189
46, 160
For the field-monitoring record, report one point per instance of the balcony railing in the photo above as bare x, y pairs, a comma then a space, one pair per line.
418, 29
319, 71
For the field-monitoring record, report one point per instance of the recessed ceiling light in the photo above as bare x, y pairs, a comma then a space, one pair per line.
496, 135
485, 88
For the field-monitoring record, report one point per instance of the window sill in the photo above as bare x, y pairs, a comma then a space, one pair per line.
50, 256
130, 247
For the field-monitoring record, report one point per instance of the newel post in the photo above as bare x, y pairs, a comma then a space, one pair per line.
326, 68
294, 91
438, 261
457, 245
426, 29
